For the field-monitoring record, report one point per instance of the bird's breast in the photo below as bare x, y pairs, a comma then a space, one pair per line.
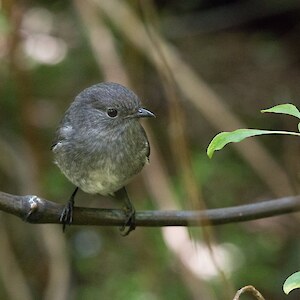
103, 163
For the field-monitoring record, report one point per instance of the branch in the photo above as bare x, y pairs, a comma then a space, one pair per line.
37, 210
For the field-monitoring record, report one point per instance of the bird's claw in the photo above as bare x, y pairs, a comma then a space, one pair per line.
129, 224
66, 216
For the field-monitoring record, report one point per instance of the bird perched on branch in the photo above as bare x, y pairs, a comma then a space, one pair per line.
100, 145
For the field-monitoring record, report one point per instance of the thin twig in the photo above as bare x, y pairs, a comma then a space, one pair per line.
40, 211
248, 289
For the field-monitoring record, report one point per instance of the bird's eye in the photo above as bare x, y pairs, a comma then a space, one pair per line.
112, 112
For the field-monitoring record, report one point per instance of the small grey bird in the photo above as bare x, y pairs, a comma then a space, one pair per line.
100, 145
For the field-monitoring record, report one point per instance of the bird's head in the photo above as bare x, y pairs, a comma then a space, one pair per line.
108, 105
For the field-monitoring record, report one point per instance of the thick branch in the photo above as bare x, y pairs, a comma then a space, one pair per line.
37, 210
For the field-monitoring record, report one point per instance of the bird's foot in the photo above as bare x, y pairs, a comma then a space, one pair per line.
129, 224
66, 216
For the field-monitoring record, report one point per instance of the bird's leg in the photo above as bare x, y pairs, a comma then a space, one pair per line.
129, 209
66, 216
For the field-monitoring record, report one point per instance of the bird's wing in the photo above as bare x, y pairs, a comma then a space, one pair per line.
148, 151
64, 132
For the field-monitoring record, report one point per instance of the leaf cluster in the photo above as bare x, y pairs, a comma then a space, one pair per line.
224, 138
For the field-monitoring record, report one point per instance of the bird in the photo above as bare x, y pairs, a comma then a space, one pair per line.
100, 145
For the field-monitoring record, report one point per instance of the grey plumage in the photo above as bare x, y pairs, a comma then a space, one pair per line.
100, 144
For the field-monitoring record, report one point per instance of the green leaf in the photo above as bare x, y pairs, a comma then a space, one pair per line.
287, 109
224, 138
292, 282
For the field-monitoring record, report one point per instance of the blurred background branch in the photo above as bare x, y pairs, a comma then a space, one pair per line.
195, 90
27, 167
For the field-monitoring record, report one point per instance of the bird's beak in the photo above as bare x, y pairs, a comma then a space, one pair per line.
144, 113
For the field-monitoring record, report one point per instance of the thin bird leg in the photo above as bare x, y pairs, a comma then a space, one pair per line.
66, 216
129, 209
